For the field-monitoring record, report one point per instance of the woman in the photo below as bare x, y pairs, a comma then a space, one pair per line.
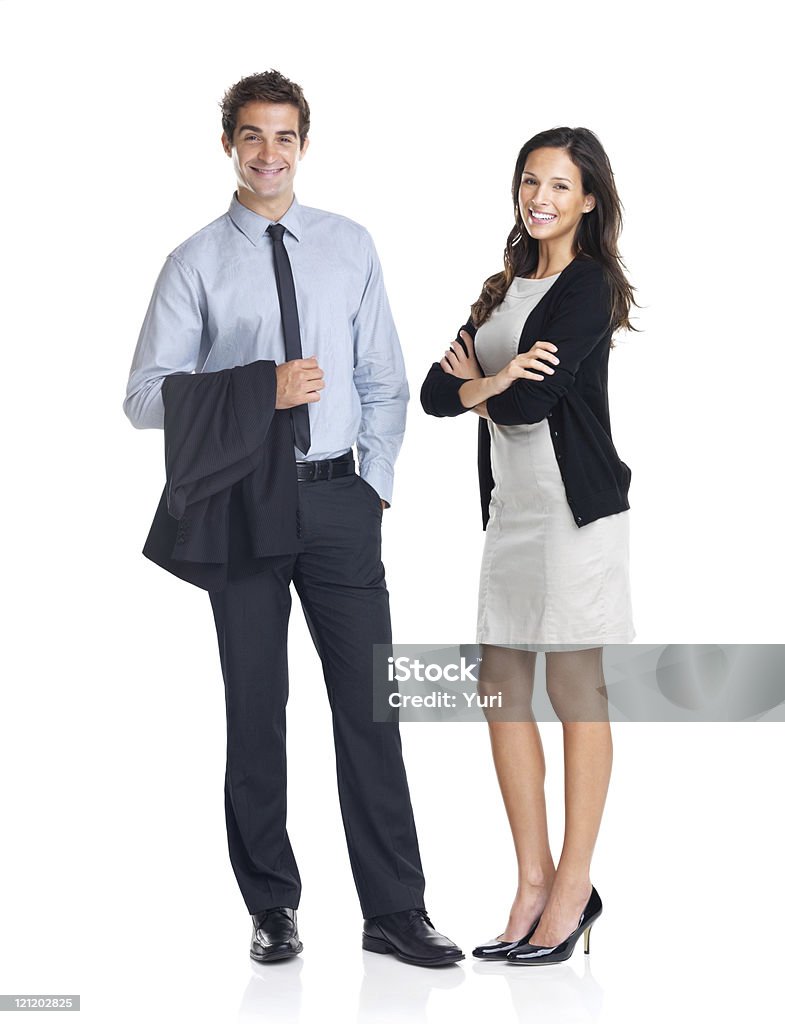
532, 362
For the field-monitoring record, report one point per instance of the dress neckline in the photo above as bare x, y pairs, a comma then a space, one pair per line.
523, 286
548, 278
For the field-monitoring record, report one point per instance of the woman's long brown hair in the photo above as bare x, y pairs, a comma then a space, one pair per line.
597, 235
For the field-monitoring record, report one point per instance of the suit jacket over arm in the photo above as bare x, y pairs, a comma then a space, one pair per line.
229, 506
574, 314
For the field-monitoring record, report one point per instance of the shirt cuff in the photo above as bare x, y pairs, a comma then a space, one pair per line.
380, 480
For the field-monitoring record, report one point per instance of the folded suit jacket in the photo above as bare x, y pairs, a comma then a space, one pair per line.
229, 507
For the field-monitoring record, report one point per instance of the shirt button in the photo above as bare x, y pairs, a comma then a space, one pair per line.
579, 520
556, 433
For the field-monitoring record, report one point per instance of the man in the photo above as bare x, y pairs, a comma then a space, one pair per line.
272, 280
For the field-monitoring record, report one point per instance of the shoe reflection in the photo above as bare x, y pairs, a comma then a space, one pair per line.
392, 990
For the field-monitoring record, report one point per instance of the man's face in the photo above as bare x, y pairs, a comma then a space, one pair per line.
265, 152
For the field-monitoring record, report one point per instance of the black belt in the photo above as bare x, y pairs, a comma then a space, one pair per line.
326, 469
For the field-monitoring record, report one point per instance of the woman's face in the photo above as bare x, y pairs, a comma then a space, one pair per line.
551, 186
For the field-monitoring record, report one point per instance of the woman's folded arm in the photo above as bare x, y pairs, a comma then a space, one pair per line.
581, 322
439, 392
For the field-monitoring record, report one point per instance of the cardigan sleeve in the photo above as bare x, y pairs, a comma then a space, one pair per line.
580, 322
439, 392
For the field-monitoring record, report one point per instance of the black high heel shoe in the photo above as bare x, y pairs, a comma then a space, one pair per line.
530, 954
498, 949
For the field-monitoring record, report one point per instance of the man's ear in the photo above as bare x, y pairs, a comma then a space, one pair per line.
227, 146
304, 145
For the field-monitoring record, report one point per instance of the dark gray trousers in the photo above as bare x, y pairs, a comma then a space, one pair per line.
339, 578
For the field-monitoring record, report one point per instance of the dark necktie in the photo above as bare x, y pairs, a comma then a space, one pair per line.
291, 328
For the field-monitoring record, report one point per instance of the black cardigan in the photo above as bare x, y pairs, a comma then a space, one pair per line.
574, 314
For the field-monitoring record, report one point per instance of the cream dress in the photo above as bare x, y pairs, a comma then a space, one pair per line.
545, 583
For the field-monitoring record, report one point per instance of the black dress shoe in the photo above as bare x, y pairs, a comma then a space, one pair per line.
499, 948
409, 935
275, 935
529, 954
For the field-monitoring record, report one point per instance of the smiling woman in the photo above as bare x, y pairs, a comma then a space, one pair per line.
532, 362
553, 200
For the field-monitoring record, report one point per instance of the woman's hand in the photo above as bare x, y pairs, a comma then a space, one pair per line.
525, 366
475, 391
460, 363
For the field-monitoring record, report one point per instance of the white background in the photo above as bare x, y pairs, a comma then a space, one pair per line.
115, 882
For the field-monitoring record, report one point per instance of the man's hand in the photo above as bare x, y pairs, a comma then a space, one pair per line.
298, 382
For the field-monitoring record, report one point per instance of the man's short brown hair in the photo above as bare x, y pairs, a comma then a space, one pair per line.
266, 87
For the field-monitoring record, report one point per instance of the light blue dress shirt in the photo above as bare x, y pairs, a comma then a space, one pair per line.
215, 306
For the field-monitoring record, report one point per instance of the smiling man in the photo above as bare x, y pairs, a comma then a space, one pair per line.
302, 289
265, 157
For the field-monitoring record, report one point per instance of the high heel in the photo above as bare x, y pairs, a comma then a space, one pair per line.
498, 948
531, 954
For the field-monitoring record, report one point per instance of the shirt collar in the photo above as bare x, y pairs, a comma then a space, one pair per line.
254, 225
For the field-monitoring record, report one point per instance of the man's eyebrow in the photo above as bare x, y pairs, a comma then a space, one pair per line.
254, 128
531, 175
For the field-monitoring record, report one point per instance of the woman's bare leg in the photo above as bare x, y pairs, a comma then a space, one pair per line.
520, 769
576, 687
